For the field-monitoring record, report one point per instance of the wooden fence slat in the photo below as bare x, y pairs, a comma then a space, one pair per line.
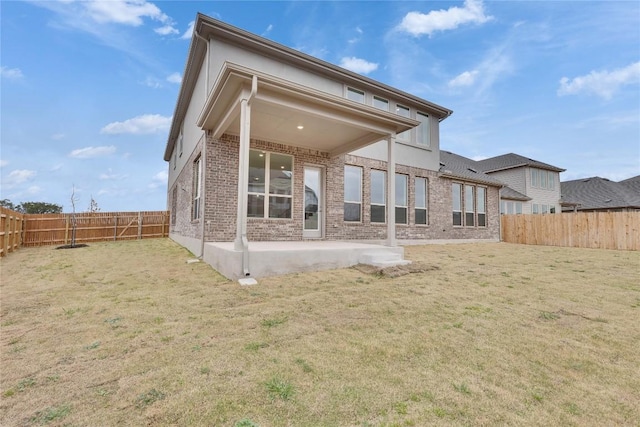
597, 230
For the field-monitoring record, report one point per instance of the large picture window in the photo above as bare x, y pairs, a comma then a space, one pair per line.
197, 188
270, 185
469, 204
422, 201
352, 193
402, 199
378, 192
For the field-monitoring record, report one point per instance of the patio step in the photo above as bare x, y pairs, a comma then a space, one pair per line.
383, 259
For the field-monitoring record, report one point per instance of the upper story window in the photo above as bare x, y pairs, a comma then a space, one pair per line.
422, 137
355, 95
543, 179
181, 138
381, 103
404, 112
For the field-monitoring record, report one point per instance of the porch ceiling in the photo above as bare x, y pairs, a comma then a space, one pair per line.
329, 123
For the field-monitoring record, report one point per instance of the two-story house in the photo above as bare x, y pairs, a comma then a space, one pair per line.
269, 144
532, 187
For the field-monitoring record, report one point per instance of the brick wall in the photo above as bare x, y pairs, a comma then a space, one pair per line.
222, 188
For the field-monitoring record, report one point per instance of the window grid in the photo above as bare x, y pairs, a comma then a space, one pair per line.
270, 187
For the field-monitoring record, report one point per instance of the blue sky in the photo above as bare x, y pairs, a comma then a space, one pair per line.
89, 87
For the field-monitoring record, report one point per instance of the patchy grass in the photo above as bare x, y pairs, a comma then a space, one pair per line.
129, 334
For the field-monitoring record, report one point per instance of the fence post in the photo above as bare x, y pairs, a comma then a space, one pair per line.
115, 228
5, 241
66, 230
139, 225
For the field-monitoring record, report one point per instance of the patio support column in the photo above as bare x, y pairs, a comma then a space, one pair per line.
241, 243
391, 190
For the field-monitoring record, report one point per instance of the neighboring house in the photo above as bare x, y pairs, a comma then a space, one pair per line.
532, 186
270, 144
601, 194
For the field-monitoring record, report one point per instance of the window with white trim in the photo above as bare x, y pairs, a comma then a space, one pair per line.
197, 188
355, 95
378, 193
270, 186
402, 199
551, 184
481, 209
456, 203
534, 177
404, 112
422, 133
518, 207
381, 103
352, 193
181, 138
469, 205
534, 208
421, 201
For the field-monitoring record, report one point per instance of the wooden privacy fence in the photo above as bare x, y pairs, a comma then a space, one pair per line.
57, 229
10, 230
596, 230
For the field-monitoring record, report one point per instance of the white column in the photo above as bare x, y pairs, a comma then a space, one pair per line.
391, 190
243, 175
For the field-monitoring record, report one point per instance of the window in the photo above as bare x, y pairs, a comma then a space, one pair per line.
534, 208
181, 138
545, 209
174, 158
456, 202
352, 193
534, 177
552, 209
518, 207
378, 208
422, 138
197, 187
422, 201
404, 112
270, 185
469, 205
481, 200
551, 184
401, 199
174, 204
381, 103
543, 178
355, 95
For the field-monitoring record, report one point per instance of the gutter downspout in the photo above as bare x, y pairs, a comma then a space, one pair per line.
245, 136
204, 152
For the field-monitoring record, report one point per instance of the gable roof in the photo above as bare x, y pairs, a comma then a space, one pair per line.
632, 183
460, 167
510, 161
600, 193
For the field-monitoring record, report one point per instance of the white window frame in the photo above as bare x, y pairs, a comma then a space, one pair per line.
400, 203
425, 207
351, 90
381, 101
349, 201
534, 208
266, 195
377, 203
482, 206
552, 180
197, 188
423, 137
518, 207
466, 209
181, 139
403, 111
534, 177
453, 204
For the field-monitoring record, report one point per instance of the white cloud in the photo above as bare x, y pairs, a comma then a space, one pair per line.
417, 23
152, 82
17, 177
110, 175
127, 12
464, 79
88, 152
358, 65
11, 73
601, 83
145, 124
34, 189
267, 31
161, 176
3, 163
166, 30
174, 78
189, 32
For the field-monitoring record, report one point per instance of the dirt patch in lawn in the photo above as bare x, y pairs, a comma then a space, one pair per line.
396, 270
130, 334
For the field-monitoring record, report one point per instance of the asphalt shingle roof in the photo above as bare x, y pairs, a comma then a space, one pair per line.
456, 166
511, 194
600, 193
510, 161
